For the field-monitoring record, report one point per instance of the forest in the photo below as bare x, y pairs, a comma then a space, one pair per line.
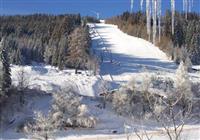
183, 43
48, 39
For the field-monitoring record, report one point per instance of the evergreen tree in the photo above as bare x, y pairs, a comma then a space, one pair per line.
55, 55
78, 52
62, 53
5, 79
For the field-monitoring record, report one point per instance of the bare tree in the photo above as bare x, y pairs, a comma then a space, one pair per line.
23, 83
143, 135
175, 109
42, 128
171, 116
104, 88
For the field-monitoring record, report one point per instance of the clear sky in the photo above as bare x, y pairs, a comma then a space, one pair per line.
106, 8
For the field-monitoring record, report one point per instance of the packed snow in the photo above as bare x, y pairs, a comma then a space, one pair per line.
121, 58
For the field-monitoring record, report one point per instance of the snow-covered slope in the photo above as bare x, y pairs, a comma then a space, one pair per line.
130, 55
121, 43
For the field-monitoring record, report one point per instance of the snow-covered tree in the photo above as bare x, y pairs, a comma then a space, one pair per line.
65, 106
183, 86
68, 111
78, 49
122, 102
182, 81
132, 99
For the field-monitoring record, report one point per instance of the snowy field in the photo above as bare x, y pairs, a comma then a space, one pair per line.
123, 57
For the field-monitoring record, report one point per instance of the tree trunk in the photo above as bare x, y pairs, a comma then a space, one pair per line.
76, 71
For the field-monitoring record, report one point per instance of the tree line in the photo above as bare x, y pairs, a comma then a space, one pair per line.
48, 39
183, 44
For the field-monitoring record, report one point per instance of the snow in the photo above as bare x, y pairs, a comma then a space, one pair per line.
131, 57
196, 67
155, 136
50, 79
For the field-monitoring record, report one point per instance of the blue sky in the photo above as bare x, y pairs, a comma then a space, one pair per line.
106, 8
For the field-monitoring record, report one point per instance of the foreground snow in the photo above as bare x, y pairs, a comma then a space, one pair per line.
188, 134
131, 57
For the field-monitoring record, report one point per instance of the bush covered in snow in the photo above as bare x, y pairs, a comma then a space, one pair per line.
171, 109
67, 111
122, 102
140, 99
162, 83
132, 102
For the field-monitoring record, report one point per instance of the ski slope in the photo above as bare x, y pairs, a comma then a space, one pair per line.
121, 43
130, 55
